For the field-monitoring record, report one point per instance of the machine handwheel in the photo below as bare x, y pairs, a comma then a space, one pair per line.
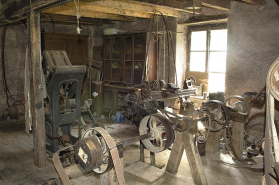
192, 79
215, 111
160, 128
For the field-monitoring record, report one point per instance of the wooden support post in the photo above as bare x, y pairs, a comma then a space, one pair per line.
185, 140
141, 152
237, 138
36, 88
152, 159
109, 178
176, 154
28, 118
213, 141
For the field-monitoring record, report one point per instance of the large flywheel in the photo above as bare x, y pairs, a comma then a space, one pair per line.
161, 131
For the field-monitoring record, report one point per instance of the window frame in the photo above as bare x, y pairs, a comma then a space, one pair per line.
206, 28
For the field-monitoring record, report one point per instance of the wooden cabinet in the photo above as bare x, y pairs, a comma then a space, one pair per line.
125, 56
74, 45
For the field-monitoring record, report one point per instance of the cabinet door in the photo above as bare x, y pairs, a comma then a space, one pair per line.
128, 60
107, 59
139, 57
77, 51
74, 45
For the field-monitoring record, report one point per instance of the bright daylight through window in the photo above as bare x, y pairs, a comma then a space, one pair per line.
208, 53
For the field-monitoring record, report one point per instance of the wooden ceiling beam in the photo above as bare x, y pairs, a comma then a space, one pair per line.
210, 19
217, 4
135, 7
253, 2
17, 9
66, 19
90, 14
86, 7
170, 4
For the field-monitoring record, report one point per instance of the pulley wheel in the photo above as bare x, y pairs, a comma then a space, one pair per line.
216, 111
240, 103
88, 152
273, 79
162, 133
106, 161
192, 79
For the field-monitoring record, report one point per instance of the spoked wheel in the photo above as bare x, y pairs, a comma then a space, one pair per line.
106, 162
216, 112
192, 79
162, 133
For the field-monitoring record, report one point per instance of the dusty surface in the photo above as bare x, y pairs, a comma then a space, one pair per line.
253, 35
17, 167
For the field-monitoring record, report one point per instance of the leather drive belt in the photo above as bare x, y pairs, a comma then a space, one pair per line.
114, 155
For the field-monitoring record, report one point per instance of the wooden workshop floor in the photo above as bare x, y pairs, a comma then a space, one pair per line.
17, 166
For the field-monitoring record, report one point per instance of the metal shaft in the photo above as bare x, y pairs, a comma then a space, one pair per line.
134, 139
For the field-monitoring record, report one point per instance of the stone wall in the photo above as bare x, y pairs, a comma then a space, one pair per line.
253, 42
15, 48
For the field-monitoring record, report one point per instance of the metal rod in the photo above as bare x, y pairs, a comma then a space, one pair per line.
89, 84
134, 139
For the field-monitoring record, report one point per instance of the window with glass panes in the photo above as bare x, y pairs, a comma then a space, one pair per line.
208, 51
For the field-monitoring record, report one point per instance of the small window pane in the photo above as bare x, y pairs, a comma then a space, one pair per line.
218, 40
217, 62
138, 68
128, 49
128, 70
116, 45
107, 49
198, 41
107, 70
216, 82
115, 71
139, 48
197, 61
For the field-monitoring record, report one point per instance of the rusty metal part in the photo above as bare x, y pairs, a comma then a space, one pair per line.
242, 106
106, 160
214, 114
88, 152
145, 93
163, 84
113, 151
59, 168
181, 125
254, 130
162, 133
273, 78
155, 85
